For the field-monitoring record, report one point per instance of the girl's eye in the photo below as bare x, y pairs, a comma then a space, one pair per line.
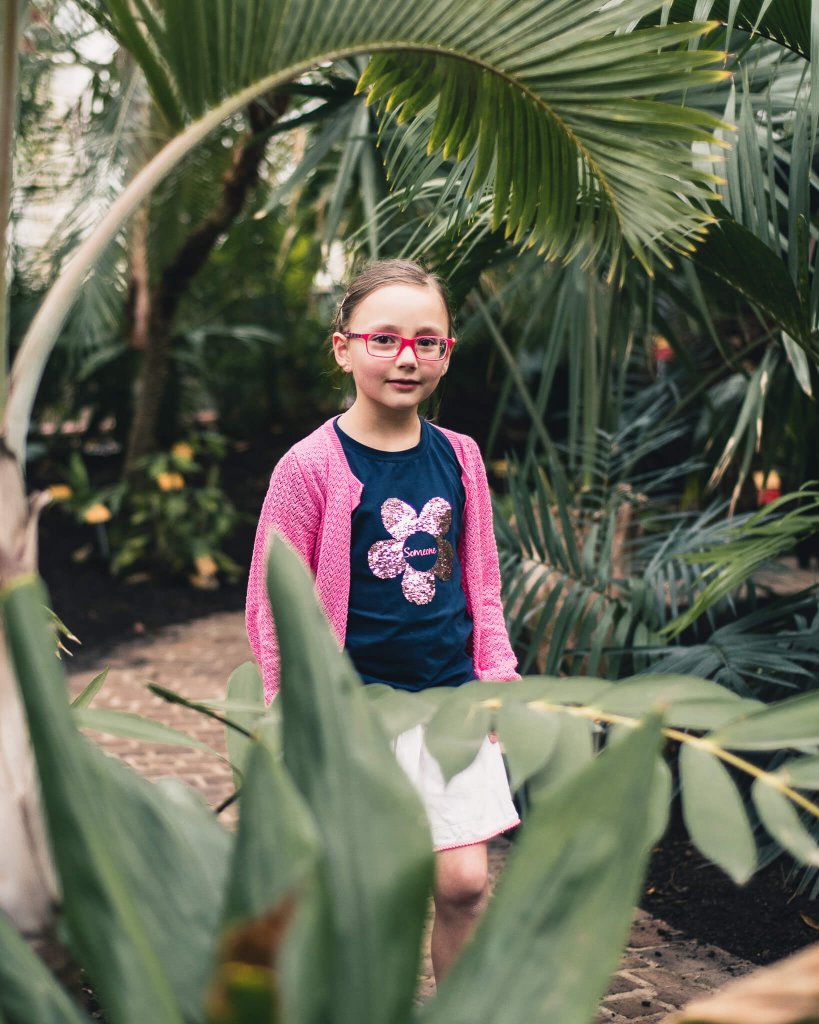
428, 344
383, 340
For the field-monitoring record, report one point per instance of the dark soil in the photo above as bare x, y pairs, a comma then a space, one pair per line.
761, 922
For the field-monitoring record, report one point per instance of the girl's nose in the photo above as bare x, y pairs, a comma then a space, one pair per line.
406, 357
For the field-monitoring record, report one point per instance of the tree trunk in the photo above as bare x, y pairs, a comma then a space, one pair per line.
28, 889
163, 300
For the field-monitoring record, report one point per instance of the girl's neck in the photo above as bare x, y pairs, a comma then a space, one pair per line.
386, 433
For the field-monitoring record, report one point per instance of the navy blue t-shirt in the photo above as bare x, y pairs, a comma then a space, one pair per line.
407, 623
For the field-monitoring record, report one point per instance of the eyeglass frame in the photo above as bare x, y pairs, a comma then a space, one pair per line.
405, 343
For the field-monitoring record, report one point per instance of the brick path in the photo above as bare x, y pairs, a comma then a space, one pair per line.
661, 970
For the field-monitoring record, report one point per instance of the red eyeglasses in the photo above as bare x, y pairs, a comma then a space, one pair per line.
388, 346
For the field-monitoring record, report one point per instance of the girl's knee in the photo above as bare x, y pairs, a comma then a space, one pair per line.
462, 879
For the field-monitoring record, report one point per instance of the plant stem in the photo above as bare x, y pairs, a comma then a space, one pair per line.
769, 778
10, 25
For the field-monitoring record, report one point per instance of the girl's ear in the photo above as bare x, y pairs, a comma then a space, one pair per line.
341, 350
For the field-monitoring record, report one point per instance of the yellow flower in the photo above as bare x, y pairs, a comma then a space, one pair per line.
206, 566
182, 450
170, 481
97, 514
60, 492
203, 582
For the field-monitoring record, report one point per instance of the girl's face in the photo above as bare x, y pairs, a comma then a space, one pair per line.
399, 384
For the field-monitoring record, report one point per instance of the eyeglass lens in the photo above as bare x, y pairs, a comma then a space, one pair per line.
386, 345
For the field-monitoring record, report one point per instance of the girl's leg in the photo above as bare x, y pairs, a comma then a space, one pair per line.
461, 890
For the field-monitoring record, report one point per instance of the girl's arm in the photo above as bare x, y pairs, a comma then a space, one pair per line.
496, 658
293, 508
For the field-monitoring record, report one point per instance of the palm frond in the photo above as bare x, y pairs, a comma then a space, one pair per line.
762, 654
536, 63
747, 546
562, 563
787, 22
769, 195
547, 128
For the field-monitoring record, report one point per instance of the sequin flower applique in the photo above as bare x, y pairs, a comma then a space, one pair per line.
417, 548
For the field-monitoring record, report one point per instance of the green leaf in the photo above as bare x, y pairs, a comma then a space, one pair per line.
455, 733
136, 727
639, 694
528, 737
779, 817
28, 992
244, 686
660, 800
277, 842
786, 21
203, 70
561, 912
715, 815
801, 773
559, 691
139, 864
378, 859
573, 750
704, 715
275, 866
736, 256
400, 710
788, 723
82, 700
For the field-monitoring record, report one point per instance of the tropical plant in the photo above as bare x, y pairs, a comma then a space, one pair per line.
175, 521
175, 917
612, 578
535, 98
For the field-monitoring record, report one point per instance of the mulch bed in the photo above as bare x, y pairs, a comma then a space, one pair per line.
761, 921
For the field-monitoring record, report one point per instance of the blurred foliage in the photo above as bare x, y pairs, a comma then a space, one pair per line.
174, 917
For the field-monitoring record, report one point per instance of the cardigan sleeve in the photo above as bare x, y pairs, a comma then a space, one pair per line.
293, 507
495, 658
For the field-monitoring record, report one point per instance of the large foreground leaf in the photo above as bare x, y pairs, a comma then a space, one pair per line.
141, 866
272, 956
377, 851
28, 992
554, 931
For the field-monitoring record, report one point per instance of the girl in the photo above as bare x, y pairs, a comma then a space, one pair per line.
393, 517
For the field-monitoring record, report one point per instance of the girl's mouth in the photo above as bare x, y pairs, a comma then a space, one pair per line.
404, 384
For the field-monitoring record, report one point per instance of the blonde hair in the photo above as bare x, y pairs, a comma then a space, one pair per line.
385, 272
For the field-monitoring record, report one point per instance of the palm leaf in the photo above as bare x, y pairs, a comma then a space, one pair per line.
787, 22
204, 61
747, 546
552, 130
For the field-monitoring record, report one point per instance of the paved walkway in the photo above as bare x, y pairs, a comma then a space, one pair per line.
660, 971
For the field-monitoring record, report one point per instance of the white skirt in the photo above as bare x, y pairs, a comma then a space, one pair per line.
473, 806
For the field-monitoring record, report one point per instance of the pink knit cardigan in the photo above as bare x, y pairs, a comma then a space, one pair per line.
310, 501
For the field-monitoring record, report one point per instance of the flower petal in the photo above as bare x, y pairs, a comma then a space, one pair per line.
386, 559
399, 518
443, 566
435, 517
418, 587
